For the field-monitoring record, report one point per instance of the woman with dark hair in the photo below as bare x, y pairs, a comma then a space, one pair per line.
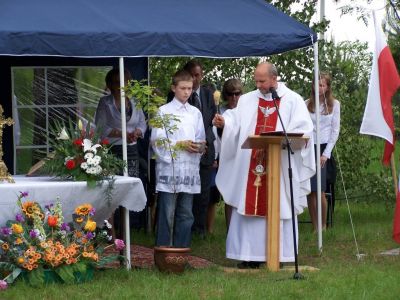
329, 110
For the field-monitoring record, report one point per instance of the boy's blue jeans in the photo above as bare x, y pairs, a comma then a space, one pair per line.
174, 220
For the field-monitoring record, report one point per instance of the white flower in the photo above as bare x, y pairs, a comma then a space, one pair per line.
84, 165
88, 155
91, 161
98, 170
87, 146
97, 160
63, 135
91, 170
107, 224
109, 238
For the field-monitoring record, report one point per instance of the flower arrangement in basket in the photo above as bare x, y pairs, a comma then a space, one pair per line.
38, 241
80, 154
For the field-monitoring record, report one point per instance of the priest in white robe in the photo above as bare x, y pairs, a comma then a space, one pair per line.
240, 170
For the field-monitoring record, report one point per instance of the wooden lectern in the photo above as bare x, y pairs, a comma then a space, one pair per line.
273, 144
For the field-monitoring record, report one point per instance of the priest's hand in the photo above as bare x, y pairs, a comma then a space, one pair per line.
218, 121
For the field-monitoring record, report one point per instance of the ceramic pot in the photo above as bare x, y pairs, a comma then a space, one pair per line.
170, 259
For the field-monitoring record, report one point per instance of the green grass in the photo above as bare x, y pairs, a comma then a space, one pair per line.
341, 275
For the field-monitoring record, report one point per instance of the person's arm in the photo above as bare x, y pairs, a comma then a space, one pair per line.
141, 125
101, 119
335, 129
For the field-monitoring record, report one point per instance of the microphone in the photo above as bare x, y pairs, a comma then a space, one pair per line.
274, 94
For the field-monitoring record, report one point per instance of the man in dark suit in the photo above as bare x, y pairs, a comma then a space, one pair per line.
203, 99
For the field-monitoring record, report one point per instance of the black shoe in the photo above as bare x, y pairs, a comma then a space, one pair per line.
243, 265
249, 265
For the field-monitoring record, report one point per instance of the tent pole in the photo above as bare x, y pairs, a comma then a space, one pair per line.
317, 142
125, 158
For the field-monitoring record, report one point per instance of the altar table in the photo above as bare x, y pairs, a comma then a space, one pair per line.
128, 192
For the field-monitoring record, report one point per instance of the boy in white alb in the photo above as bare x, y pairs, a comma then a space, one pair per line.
177, 179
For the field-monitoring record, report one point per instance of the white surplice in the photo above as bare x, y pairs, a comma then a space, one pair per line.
246, 236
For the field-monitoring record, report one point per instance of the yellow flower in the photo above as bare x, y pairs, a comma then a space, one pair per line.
79, 220
30, 208
17, 228
90, 225
5, 246
18, 241
83, 209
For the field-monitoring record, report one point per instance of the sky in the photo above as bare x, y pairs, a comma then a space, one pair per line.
347, 27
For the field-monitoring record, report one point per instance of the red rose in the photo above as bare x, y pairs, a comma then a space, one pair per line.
78, 142
52, 221
70, 164
105, 141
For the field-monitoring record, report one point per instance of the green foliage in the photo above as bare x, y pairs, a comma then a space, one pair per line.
149, 100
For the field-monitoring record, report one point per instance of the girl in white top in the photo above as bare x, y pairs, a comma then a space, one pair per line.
329, 111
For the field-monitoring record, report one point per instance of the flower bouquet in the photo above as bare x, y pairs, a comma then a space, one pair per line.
80, 154
38, 243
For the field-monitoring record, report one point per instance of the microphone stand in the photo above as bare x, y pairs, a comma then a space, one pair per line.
297, 275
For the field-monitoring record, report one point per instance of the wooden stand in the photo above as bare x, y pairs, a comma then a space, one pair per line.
273, 145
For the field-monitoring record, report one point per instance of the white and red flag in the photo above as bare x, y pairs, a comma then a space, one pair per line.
383, 84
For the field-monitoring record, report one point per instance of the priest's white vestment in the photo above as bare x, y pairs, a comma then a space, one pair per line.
247, 234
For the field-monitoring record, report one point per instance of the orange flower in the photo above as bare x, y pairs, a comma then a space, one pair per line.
83, 209
20, 260
52, 221
17, 228
18, 241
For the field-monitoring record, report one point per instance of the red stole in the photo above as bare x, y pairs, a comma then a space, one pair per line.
256, 192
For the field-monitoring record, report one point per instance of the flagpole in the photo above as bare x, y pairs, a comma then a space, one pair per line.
317, 142
394, 173
125, 211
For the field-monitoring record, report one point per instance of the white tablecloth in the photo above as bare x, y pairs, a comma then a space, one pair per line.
128, 192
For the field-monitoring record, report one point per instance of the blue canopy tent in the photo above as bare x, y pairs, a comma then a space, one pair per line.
132, 28
142, 28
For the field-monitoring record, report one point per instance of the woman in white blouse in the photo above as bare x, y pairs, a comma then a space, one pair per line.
329, 110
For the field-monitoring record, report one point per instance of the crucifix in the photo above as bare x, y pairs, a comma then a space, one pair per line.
4, 175
267, 111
